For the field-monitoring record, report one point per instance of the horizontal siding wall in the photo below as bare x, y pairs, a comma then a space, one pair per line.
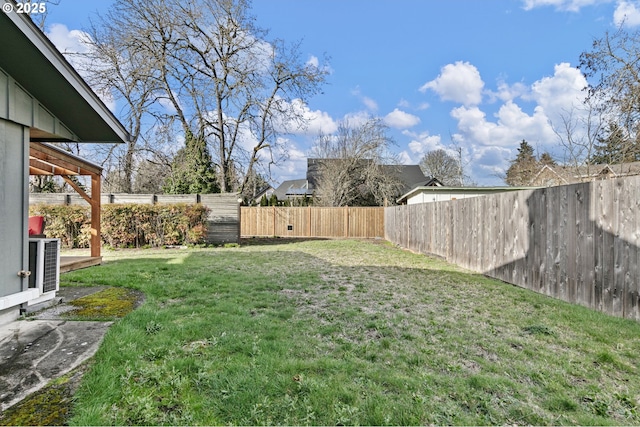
223, 223
312, 221
579, 243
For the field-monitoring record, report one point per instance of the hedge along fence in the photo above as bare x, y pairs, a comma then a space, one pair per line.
70, 224
222, 224
130, 225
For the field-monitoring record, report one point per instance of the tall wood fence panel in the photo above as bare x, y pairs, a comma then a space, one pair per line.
311, 221
223, 223
579, 243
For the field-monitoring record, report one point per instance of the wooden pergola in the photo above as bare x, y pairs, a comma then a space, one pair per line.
45, 159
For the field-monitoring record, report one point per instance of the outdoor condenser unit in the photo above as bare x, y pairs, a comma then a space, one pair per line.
44, 264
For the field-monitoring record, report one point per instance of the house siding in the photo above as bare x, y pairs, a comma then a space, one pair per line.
14, 172
19, 112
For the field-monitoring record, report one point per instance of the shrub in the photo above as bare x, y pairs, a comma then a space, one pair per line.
153, 225
70, 224
130, 225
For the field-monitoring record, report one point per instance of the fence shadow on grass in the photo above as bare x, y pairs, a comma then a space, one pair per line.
582, 246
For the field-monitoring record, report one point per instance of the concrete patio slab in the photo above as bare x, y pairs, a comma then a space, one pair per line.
34, 352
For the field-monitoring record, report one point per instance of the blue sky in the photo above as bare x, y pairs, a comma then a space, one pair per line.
469, 74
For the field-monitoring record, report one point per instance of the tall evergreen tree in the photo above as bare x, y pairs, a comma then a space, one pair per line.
192, 170
524, 167
615, 147
546, 159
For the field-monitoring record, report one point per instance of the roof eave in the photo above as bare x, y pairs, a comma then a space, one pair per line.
89, 105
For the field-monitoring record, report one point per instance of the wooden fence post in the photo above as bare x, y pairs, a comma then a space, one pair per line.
346, 221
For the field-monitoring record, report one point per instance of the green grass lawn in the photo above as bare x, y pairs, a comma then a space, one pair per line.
347, 332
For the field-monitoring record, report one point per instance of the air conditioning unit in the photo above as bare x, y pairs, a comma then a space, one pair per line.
44, 264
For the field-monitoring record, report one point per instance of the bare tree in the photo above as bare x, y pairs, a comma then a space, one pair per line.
578, 133
114, 66
351, 166
443, 166
211, 68
612, 66
40, 11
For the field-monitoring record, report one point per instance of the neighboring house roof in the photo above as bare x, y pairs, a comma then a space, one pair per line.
293, 188
432, 182
408, 175
552, 175
267, 191
28, 56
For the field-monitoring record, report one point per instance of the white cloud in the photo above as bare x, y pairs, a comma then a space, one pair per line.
68, 41
561, 92
357, 118
555, 96
313, 61
627, 13
401, 120
403, 103
490, 163
493, 141
564, 5
507, 92
320, 121
423, 143
459, 82
405, 159
368, 102
294, 167
512, 125
315, 121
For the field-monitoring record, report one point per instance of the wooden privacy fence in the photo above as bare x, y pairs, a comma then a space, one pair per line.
312, 221
578, 243
223, 222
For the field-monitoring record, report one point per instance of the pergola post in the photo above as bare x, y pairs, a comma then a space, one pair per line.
95, 216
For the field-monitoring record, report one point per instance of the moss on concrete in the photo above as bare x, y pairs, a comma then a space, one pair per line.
50, 406
108, 304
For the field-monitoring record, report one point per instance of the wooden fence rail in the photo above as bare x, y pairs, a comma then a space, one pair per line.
579, 243
351, 222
